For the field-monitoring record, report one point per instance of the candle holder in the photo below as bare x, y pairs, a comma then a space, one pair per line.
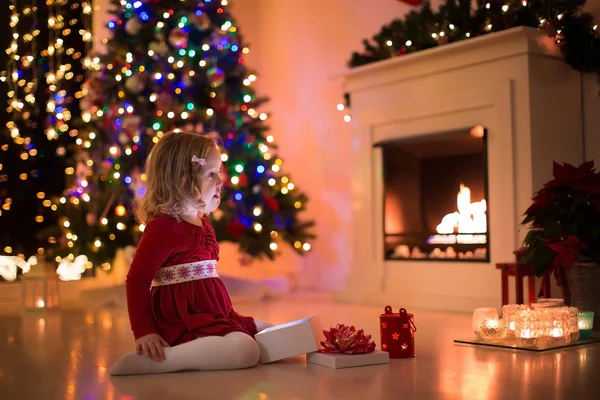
585, 323
480, 315
573, 323
493, 330
555, 323
541, 329
528, 329
508, 316
41, 289
398, 333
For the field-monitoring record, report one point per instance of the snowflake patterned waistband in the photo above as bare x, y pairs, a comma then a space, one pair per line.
185, 273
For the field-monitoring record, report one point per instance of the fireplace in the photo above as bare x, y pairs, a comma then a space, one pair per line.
434, 195
489, 113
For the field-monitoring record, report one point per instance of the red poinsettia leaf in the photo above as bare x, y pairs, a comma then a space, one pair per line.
559, 172
571, 170
596, 202
587, 166
532, 208
587, 185
557, 247
544, 198
567, 174
568, 258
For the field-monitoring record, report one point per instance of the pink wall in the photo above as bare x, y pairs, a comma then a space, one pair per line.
297, 49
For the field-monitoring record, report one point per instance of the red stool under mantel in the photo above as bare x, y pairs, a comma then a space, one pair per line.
519, 272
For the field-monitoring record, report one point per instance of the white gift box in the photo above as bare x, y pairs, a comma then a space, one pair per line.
338, 360
289, 340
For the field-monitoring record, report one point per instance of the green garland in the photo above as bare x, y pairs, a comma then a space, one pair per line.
565, 20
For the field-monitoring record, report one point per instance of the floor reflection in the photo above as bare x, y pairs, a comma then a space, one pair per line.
66, 356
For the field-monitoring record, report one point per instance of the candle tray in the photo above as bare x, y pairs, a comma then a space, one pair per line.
510, 344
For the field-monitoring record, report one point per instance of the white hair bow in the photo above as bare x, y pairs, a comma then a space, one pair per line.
201, 161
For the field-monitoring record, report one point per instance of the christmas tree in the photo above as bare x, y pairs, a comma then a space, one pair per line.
44, 46
170, 65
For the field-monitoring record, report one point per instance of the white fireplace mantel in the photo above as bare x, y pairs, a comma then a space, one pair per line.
512, 82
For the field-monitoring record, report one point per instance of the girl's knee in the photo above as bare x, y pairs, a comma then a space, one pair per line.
245, 349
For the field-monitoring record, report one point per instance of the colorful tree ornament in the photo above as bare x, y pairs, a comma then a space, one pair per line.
178, 37
185, 73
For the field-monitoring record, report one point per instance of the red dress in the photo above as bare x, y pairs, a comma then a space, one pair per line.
184, 311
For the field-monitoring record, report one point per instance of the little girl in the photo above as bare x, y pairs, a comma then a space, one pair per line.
179, 309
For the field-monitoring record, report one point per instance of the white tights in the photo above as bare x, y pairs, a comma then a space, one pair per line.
233, 351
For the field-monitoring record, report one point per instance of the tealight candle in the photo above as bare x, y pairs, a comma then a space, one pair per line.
585, 322
528, 329
555, 323
508, 316
480, 315
493, 330
557, 332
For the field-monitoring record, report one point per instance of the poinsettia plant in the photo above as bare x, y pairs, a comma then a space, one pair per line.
564, 222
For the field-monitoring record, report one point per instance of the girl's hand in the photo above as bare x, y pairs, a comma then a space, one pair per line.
151, 346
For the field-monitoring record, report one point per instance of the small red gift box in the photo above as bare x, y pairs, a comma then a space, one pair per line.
398, 333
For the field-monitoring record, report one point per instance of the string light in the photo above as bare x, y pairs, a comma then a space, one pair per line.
10, 264
58, 115
62, 63
22, 71
488, 27
182, 61
21, 77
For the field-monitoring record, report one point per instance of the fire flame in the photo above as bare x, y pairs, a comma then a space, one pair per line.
470, 218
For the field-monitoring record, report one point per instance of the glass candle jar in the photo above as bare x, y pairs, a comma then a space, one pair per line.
585, 323
573, 323
480, 315
555, 322
508, 316
529, 330
493, 330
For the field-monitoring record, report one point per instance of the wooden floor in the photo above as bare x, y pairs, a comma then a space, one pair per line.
65, 356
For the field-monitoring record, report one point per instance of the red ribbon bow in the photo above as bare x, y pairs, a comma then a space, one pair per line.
347, 340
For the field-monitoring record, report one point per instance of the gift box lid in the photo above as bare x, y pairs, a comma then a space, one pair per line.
289, 339
338, 360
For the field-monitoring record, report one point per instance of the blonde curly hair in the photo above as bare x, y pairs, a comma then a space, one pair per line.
172, 179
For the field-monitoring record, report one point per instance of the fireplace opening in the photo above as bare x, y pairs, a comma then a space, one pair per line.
435, 197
